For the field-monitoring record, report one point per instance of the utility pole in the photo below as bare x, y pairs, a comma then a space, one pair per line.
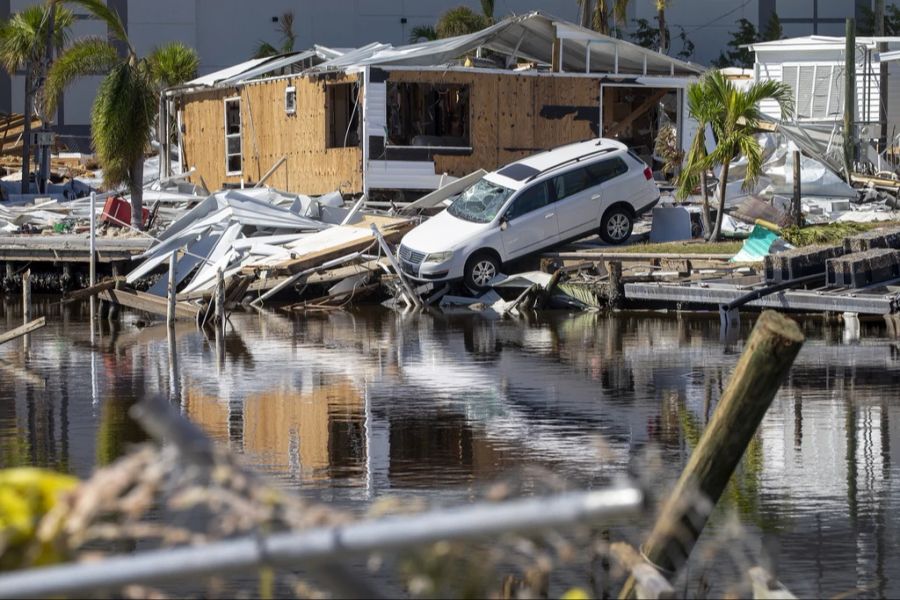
849, 95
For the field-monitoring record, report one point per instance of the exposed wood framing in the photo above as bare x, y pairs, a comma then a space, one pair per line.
646, 105
269, 133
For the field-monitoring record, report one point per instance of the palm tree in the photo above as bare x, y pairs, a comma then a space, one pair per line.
125, 108
23, 45
661, 6
286, 28
422, 32
734, 117
597, 16
460, 21
694, 169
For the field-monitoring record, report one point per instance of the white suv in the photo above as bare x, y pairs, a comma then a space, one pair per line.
530, 205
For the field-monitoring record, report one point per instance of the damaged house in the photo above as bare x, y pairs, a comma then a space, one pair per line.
393, 122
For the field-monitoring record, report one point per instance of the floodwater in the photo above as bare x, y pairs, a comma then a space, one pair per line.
351, 406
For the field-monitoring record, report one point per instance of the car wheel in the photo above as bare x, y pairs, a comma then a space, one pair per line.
616, 226
480, 270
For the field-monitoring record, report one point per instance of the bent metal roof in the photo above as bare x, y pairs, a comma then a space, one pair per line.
528, 37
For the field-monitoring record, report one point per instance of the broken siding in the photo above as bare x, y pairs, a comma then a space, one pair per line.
513, 116
269, 133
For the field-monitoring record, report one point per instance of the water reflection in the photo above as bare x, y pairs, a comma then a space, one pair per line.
350, 406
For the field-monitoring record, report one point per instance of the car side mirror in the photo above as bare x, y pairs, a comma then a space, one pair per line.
504, 222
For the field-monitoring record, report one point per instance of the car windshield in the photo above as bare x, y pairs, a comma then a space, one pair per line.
480, 203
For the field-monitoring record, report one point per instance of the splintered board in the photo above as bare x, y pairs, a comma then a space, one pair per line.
269, 133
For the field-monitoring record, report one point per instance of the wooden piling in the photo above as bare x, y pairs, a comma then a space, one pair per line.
23, 330
26, 304
26, 297
616, 289
170, 314
767, 358
220, 300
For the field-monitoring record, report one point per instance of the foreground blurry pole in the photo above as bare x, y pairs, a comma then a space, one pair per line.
767, 358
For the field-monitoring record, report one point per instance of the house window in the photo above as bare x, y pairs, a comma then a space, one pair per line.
428, 114
290, 100
818, 90
233, 136
342, 115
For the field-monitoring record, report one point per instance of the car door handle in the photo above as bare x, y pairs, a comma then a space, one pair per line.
595, 197
550, 216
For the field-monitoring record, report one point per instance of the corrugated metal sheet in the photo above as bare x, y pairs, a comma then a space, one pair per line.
402, 175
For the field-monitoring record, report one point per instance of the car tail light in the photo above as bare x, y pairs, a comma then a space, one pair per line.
648, 173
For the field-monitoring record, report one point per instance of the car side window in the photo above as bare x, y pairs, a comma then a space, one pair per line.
531, 199
607, 169
571, 183
581, 179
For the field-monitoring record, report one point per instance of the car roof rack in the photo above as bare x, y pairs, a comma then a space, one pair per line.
571, 161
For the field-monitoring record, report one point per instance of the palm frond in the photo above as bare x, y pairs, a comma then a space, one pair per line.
173, 64
286, 28
487, 9
121, 119
422, 32
89, 56
773, 90
108, 15
620, 11
264, 49
748, 146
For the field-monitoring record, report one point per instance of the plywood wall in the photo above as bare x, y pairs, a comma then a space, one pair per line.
513, 116
268, 134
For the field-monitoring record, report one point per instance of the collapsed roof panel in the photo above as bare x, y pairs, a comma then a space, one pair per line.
528, 37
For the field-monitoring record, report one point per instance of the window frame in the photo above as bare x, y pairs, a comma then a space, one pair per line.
468, 86
288, 92
238, 136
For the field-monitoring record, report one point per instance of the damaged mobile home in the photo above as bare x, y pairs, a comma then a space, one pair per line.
387, 121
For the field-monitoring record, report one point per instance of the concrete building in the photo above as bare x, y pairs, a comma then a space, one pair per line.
225, 32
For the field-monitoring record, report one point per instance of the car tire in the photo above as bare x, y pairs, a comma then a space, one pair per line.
480, 269
616, 225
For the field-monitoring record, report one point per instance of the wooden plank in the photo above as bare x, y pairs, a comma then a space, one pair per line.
22, 330
149, 303
92, 290
391, 234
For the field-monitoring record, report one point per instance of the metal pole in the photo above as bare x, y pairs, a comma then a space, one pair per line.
413, 297
798, 214
170, 313
324, 544
849, 95
93, 264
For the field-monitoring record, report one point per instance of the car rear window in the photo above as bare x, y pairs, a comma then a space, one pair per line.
518, 171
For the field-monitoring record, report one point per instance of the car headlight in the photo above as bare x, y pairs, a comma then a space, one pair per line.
438, 257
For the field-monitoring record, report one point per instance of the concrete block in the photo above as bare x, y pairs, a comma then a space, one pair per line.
799, 262
877, 238
861, 269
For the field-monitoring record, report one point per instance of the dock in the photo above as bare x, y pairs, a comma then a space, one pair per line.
69, 248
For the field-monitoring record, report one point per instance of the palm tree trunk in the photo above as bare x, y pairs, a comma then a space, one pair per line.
585, 13
663, 34
723, 182
137, 193
601, 17
704, 213
26, 133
